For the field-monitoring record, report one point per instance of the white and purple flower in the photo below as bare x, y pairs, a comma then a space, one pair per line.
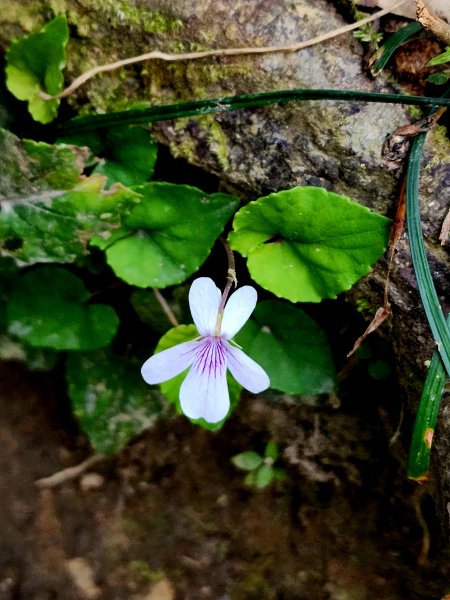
204, 392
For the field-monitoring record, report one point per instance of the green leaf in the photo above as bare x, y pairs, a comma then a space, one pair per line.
171, 388
392, 44
49, 309
261, 477
248, 461
306, 244
438, 78
264, 476
110, 399
34, 64
271, 450
40, 359
8, 276
291, 347
440, 58
28, 167
128, 153
168, 235
48, 210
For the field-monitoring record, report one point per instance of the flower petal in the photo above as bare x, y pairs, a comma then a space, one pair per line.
204, 300
246, 371
169, 363
204, 394
237, 310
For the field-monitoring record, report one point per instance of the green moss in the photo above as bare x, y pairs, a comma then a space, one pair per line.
141, 569
217, 140
23, 16
59, 7
183, 46
123, 12
185, 146
204, 75
211, 131
158, 23
441, 146
415, 112
364, 307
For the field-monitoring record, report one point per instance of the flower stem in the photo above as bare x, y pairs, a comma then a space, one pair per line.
166, 308
231, 280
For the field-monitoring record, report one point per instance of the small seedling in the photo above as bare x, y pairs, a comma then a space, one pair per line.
261, 469
367, 32
443, 76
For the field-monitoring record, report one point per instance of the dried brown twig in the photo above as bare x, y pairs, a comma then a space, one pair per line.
166, 308
70, 473
432, 23
156, 54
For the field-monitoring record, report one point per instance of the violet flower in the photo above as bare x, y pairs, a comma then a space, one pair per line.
204, 392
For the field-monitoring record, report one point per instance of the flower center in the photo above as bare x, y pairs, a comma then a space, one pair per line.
211, 355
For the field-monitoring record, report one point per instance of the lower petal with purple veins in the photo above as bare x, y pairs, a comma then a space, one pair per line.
205, 396
204, 392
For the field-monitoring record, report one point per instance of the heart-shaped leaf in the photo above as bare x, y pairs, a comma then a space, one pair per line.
307, 244
291, 347
49, 309
168, 235
110, 399
128, 154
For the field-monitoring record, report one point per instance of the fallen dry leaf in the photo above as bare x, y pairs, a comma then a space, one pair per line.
445, 229
381, 315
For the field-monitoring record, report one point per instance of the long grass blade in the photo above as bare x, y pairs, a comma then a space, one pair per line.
216, 105
393, 43
426, 418
428, 409
424, 278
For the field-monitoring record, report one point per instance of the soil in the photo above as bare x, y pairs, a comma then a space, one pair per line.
170, 517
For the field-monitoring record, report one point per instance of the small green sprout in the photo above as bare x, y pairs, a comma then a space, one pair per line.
367, 33
440, 59
442, 76
261, 469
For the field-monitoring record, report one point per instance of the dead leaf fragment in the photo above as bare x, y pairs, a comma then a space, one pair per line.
445, 229
380, 316
432, 22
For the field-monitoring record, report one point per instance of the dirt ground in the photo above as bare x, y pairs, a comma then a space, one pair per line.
170, 518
